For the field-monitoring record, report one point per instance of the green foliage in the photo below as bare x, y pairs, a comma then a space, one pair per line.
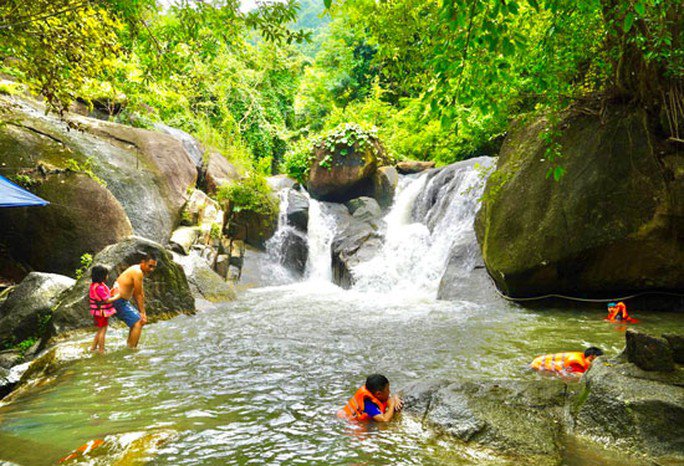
250, 193
215, 232
297, 161
86, 262
24, 180
86, 168
11, 88
25, 345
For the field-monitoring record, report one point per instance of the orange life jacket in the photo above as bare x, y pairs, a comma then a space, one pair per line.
573, 361
354, 409
619, 312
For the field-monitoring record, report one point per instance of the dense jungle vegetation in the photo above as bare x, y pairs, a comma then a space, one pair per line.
441, 80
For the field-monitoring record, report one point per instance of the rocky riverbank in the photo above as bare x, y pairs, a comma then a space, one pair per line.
621, 404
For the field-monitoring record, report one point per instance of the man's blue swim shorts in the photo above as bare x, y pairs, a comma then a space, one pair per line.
126, 312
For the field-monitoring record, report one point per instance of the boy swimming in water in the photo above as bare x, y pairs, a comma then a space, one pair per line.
372, 402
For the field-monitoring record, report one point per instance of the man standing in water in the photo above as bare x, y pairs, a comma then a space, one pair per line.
130, 285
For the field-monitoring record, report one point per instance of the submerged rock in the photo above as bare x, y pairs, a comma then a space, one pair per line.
167, 292
520, 419
609, 226
26, 312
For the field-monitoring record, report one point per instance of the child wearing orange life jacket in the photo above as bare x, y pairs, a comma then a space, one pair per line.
618, 312
101, 307
574, 362
372, 402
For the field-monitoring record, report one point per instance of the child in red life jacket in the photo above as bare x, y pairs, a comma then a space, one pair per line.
372, 402
101, 308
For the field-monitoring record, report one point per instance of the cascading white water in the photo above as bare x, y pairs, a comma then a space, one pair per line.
274, 267
429, 219
321, 231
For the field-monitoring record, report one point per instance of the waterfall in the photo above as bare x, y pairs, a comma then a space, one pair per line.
431, 219
321, 231
275, 269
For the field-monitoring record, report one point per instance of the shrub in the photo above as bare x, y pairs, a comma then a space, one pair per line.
251, 193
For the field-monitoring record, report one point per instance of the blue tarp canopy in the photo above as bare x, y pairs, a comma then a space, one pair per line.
12, 195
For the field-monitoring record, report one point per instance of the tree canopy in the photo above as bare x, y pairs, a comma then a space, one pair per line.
440, 80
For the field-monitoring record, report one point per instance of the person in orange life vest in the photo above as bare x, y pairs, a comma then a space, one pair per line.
101, 307
617, 312
574, 362
372, 402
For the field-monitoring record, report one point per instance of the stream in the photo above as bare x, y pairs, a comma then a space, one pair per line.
258, 380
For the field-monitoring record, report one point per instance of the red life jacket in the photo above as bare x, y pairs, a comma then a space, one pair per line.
574, 361
99, 307
354, 409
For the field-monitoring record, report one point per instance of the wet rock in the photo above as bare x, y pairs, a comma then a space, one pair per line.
410, 167
365, 209
357, 242
636, 411
297, 210
648, 352
280, 182
27, 311
203, 281
167, 292
254, 228
295, 251
218, 172
575, 236
385, 183
516, 418
6, 386
677, 344
183, 238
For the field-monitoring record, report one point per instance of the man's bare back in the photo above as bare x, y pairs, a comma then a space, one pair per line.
126, 281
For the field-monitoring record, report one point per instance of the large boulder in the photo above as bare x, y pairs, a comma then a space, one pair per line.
204, 282
218, 172
518, 419
144, 173
609, 226
636, 411
26, 312
254, 228
166, 290
83, 217
344, 164
297, 210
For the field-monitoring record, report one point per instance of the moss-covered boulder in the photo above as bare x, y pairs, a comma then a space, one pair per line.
610, 226
344, 163
167, 292
95, 174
